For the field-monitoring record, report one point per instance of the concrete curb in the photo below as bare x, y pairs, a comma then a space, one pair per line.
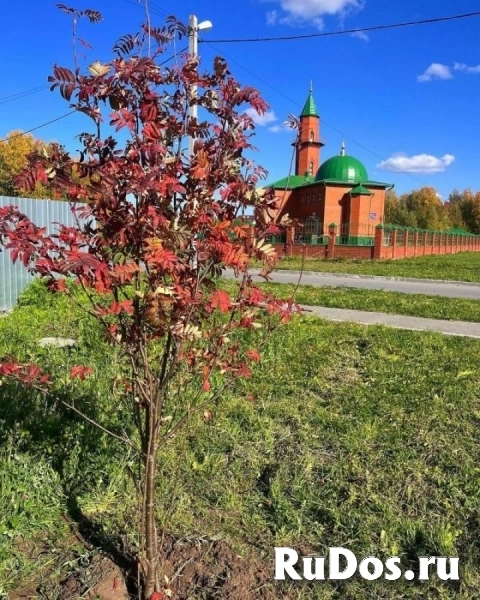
362, 317
377, 277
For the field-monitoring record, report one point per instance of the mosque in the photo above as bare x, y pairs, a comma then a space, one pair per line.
337, 191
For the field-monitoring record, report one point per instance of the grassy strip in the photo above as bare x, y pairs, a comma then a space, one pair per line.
415, 305
464, 266
362, 437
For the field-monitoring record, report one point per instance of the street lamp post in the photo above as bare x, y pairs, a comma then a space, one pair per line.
193, 28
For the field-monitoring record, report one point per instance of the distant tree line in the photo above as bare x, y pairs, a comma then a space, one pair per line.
423, 208
14, 150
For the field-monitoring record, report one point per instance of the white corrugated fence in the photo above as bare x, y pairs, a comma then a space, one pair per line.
14, 277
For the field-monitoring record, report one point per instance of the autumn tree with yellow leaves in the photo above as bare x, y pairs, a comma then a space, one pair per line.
14, 151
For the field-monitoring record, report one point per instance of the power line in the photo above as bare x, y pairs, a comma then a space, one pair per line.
155, 8
346, 31
324, 122
158, 10
19, 95
8, 139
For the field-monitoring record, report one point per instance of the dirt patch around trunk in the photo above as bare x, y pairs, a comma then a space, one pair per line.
192, 569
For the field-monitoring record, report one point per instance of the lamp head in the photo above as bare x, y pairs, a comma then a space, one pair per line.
204, 25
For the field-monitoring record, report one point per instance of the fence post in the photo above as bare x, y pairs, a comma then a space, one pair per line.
289, 239
415, 242
394, 241
425, 236
251, 233
378, 242
332, 237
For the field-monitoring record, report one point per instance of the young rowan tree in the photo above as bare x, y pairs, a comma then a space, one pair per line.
156, 229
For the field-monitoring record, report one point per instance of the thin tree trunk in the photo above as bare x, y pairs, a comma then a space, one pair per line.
151, 547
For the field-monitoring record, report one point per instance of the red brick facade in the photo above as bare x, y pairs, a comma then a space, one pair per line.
339, 193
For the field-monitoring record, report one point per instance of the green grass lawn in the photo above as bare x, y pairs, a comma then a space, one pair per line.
416, 305
456, 267
362, 437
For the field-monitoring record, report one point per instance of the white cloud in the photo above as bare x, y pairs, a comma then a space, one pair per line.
309, 9
435, 71
280, 128
466, 69
420, 163
361, 35
261, 120
310, 12
271, 17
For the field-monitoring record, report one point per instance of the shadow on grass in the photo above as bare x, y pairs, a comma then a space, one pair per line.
40, 425
95, 536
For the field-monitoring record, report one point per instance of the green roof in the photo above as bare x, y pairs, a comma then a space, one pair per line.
344, 168
309, 110
292, 182
459, 230
367, 184
360, 190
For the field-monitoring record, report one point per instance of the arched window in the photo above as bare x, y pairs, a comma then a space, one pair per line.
312, 136
310, 168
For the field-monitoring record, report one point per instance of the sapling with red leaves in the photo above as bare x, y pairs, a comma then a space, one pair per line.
156, 228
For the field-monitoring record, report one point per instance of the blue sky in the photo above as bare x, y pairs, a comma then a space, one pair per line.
406, 101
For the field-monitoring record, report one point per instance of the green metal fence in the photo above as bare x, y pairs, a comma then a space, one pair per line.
356, 234
276, 239
311, 238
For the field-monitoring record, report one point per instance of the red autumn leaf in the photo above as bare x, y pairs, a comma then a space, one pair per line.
152, 131
253, 355
243, 371
117, 307
157, 596
206, 387
80, 372
221, 300
255, 296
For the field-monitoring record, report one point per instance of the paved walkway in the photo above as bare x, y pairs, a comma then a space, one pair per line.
450, 289
431, 287
457, 328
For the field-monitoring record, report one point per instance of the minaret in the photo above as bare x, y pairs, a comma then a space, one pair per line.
308, 144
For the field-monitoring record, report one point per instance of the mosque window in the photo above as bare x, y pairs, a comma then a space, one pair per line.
312, 136
310, 168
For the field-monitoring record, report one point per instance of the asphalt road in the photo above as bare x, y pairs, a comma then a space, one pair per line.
456, 328
450, 289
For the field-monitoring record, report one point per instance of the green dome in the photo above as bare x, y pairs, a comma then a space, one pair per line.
342, 168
